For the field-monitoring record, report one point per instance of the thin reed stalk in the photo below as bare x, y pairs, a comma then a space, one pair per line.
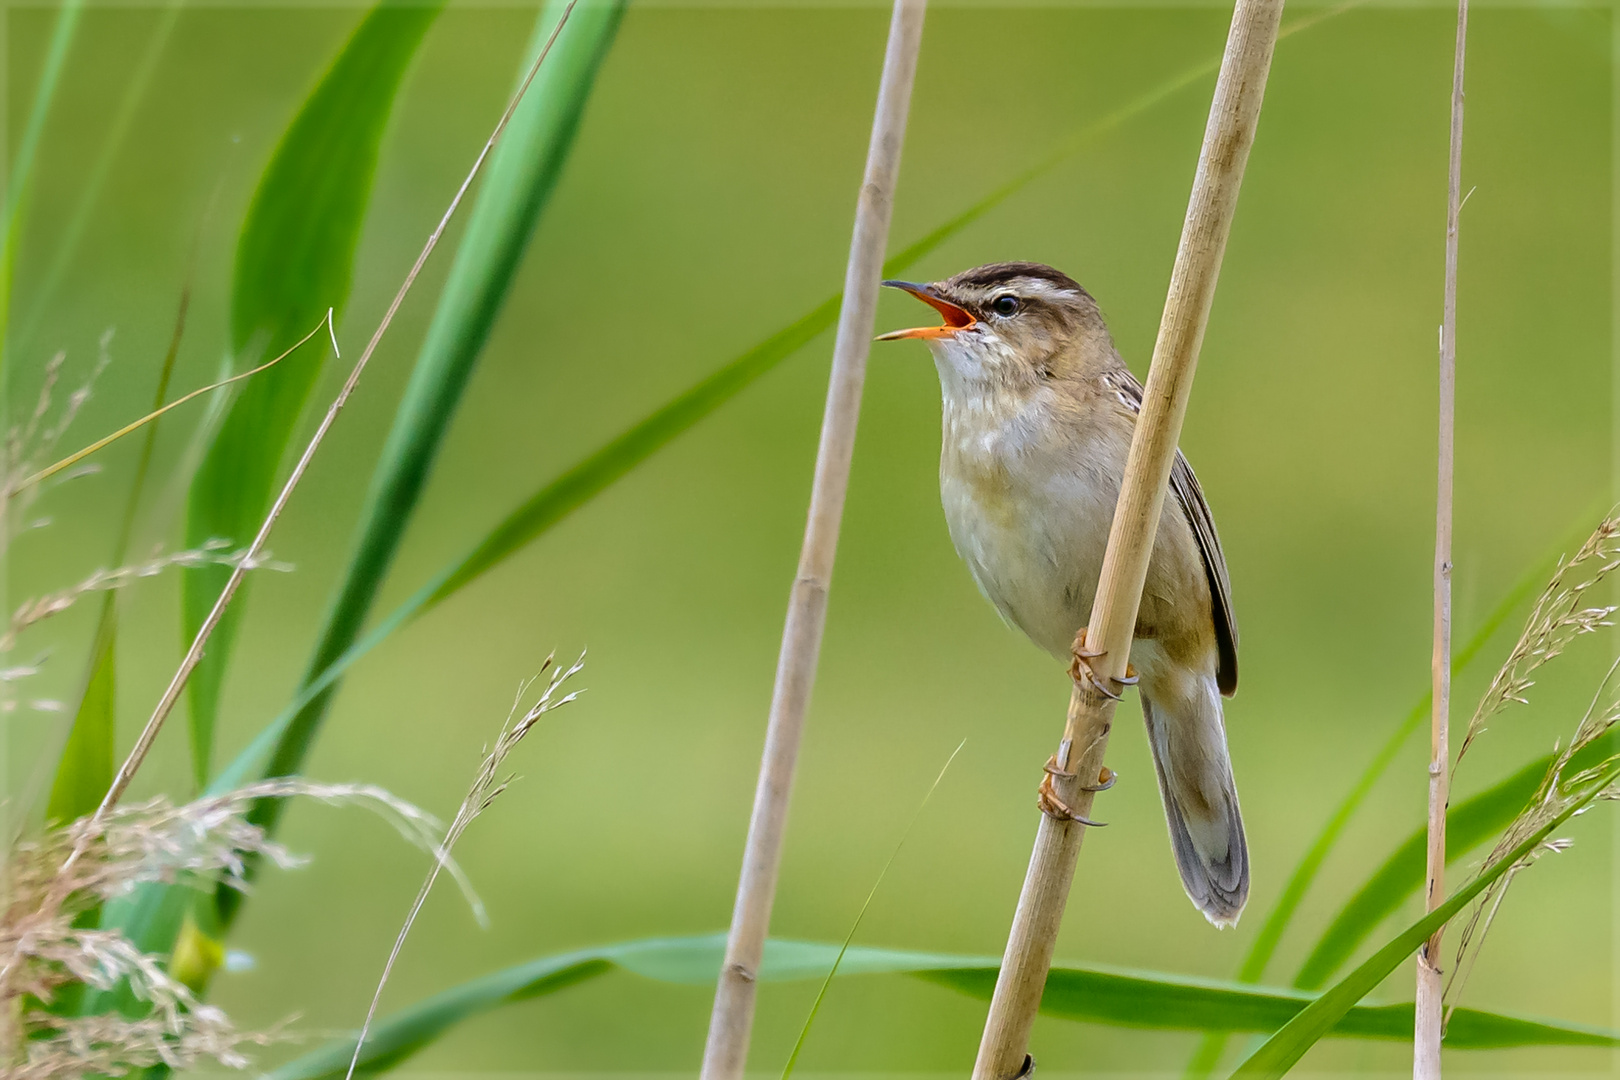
1428, 1024
731, 1023
1233, 117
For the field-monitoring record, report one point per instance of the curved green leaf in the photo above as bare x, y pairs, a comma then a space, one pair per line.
521, 176
1102, 995
1284, 1049
294, 260
84, 772
22, 158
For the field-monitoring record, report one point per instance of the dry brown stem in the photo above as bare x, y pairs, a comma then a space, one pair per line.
1428, 1020
1233, 117
731, 1022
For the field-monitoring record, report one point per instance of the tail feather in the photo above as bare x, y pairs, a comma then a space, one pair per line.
1200, 802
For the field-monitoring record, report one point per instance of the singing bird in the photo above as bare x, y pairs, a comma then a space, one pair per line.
1038, 415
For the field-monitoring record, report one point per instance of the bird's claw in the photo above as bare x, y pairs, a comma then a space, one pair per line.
1052, 805
1081, 671
1105, 780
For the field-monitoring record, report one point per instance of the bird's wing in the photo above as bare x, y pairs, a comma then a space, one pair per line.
1196, 510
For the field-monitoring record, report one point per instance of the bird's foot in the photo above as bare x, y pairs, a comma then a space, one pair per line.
1081, 671
1052, 804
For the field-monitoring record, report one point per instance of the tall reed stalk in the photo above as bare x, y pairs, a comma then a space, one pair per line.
1428, 1021
731, 1022
1233, 117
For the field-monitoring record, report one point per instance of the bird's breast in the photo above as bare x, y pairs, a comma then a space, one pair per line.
1028, 502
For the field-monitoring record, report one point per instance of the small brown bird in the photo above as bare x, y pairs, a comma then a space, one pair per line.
1039, 412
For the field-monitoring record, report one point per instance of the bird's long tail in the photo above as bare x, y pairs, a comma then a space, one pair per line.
1188, 738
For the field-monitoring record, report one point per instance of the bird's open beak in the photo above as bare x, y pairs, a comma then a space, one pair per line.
955, 318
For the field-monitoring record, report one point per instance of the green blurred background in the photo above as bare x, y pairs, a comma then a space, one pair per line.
708, 202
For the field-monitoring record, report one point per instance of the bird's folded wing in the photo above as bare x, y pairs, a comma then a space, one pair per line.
1191, 498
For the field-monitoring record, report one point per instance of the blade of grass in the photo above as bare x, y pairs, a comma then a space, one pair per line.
294, 260
821, 994
1284, 1049
1253, 969
522, 174
84, 769
1097, 994
22, 161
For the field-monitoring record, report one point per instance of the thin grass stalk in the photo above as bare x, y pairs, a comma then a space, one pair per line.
1429, 1014
731, 1023
1233, 118
143, 744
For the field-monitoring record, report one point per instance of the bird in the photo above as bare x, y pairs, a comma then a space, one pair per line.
1038, 414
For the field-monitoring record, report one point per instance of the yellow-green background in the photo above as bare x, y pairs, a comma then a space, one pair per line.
707, 203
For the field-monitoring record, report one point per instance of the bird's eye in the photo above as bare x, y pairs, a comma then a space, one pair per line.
1004, 305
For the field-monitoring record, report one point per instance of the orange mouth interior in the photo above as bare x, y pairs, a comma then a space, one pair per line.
955, 318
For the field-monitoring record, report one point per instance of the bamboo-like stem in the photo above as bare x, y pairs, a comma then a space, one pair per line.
1428, 1023
731, 1023
1233, 117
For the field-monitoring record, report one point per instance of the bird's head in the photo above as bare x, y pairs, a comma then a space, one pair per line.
1007, 323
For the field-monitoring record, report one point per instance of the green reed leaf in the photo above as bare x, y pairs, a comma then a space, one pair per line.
26, 152
1101, 995
84, 772
294, 261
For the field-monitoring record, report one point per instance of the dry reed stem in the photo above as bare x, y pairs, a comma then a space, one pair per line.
731, 1022
1234, 115
486, 788
1428, 1020
171, 695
